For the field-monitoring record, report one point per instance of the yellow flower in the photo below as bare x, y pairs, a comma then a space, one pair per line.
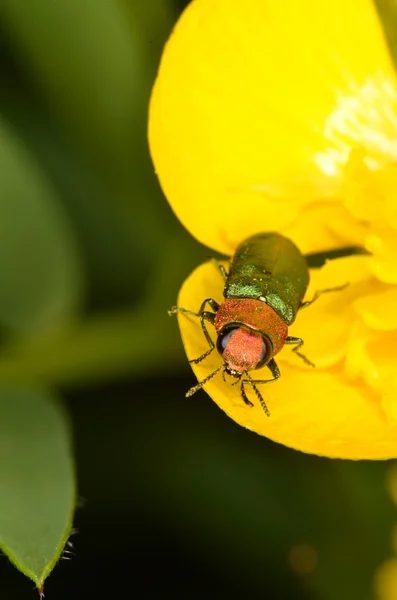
271, 116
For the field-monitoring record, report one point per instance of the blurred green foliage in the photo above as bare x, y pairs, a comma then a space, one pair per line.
91, 257
86, 234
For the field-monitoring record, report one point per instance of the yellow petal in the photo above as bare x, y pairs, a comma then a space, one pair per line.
351, 270
325, 325
257, 105
313, 410
379, 310
325, 226
370, 195
370, 359
371, 198
383, 245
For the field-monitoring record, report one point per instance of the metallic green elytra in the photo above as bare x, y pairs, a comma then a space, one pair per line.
269, 266
263, 289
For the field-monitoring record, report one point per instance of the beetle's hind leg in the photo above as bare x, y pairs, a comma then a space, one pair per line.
319, 293
203, 315
298, 342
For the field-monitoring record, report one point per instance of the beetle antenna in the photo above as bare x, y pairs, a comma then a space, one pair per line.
200, 384
258, 394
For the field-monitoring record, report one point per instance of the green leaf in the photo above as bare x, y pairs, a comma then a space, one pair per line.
40, 278
87, 64
37, 487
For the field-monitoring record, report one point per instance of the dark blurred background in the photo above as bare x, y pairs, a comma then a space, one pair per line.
176, 499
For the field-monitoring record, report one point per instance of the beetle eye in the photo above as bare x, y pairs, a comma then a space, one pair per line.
266, 354
224, 338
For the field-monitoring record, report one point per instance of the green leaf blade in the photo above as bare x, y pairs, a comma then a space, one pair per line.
37, 483
41, 277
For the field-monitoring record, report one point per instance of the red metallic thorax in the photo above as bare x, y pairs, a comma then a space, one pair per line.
258, 316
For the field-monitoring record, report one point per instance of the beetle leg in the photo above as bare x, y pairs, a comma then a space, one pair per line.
298, 344
244, 395
220, 268
315, 260
200, 384
257, 392
178, 309
204, 316
275, 371
319, 293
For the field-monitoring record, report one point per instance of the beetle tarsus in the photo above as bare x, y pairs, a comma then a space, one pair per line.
275, 371
299, 343
200, 384
177, 309
244, 395
196, 361
257, 393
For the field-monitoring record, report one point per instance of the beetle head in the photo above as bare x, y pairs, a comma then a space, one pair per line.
243, 348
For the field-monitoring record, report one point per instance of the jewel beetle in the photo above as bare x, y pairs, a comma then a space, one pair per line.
263, 291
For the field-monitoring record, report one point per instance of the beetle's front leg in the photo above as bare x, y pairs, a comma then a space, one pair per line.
275, 371
210, 317
204, 316
178, 309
